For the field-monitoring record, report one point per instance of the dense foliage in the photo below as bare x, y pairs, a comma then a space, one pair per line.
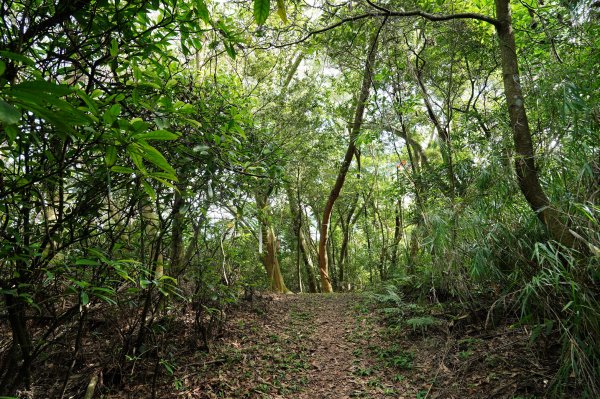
159, 157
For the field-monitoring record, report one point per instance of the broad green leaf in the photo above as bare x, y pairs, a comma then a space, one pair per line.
45, 95
17, 57
2, 67
137, 159
9, 115
230, 50
157, 135
202, 11
111, 155
58, 119
114, 48
139, 125
261, 10
152, 155
43, 87
111, 115
193, 122
11, 131
163, 175
88, 100
281, 11
85, 299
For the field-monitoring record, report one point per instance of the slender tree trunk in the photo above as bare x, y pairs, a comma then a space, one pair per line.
367, 231
351, 150
331, 254
383, 253
177, 235
302, 246
308, 263
347, 223
527, 174
398, 233
445, 142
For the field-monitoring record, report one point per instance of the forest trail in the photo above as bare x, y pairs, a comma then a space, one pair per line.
336, 346
302, 346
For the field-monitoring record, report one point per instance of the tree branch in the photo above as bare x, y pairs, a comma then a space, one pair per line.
384, 12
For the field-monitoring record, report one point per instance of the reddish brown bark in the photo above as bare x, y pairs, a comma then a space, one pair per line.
341, 178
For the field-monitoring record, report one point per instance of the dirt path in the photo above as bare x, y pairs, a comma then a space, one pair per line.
303, 346
334, 346
342, 365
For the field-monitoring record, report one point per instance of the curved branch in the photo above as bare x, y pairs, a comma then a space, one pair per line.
384, 12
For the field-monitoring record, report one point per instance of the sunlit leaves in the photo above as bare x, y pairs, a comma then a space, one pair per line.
281, 11
202, 11
262, 8
157, 135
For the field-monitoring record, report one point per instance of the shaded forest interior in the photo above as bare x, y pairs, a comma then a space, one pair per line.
295, 199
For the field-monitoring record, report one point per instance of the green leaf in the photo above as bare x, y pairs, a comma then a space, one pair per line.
230, 50
114, 48
137, 159
111, 115
11, 131
122, 169
87, 262
44, 86
149, 190
17, 57
104, 294
58, 119
165, 182
152, 155
8, 114
157, 135
111, 155
2, 67
281, 11
85, 299
88, 100
262, 8
145, 283
202, 11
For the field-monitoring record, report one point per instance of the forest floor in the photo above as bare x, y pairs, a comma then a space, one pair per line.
337, 346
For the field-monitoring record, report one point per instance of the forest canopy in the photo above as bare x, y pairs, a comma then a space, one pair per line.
160, 157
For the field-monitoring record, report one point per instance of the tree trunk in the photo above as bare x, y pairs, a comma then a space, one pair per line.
16, 376
268, 238
347, 225
177, 235
341, 178
445, 142
308, 263
303, 250
398, 233
527, 175
272, 263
